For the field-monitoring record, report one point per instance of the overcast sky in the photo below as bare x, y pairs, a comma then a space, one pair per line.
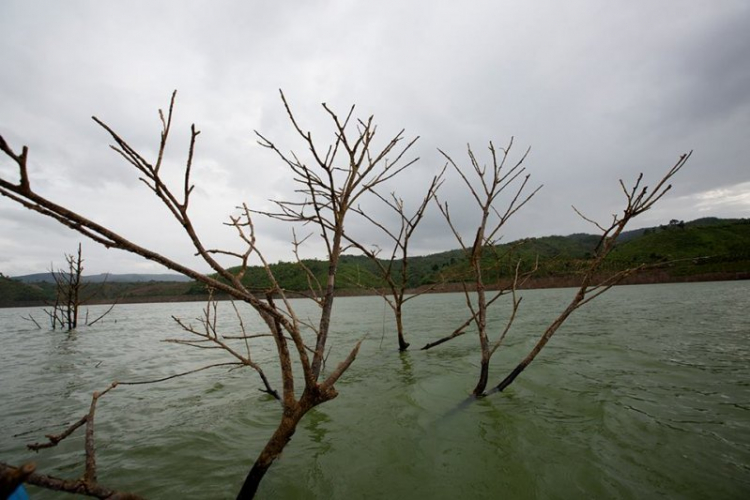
599, 91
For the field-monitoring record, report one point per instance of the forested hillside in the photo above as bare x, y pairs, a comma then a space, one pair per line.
699, 250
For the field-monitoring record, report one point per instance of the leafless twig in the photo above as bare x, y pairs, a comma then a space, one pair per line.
638, 199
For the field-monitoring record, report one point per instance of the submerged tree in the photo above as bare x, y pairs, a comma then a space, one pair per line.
331, 184
70, 295
88, 484
488, 184
67, 293
638, 199
394, 268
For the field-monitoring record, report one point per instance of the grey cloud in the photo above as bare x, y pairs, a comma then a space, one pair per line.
599, 92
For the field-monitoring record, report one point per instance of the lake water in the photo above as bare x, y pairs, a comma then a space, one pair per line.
645, 393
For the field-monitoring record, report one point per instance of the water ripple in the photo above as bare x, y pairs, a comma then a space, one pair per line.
644, 394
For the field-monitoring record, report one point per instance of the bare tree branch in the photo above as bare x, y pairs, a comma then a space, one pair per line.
87, 484
489, 183
330, 186
637, 202
397, 284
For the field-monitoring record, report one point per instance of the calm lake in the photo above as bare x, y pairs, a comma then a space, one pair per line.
645, 393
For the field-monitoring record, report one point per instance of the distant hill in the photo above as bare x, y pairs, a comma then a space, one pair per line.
705, 221
40, 288
110, 278
14, 292
703, 249
705, 246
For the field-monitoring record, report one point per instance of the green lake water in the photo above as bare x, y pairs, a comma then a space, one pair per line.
645, 393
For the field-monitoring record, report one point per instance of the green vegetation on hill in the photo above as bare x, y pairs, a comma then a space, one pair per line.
701, 249
354, 272
706, 247
715, 247
14, 292
694, 248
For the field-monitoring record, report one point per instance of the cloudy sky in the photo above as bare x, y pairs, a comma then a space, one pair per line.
599, 91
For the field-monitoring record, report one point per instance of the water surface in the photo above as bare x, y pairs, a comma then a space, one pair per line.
643, 394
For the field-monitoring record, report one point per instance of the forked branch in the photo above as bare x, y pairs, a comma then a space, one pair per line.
486, 184
87, 484
638, 200
209, 337
394, 268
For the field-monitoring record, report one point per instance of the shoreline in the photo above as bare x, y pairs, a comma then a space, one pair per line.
571, 281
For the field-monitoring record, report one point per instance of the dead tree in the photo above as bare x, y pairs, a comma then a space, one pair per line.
70, 296
337, 176
394, 268
638, 199
488, 185
326, 205
88, 483
67, 293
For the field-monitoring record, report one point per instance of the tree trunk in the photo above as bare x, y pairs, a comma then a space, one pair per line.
483, 376
402, 343
271, 452
511, 377
481, 321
